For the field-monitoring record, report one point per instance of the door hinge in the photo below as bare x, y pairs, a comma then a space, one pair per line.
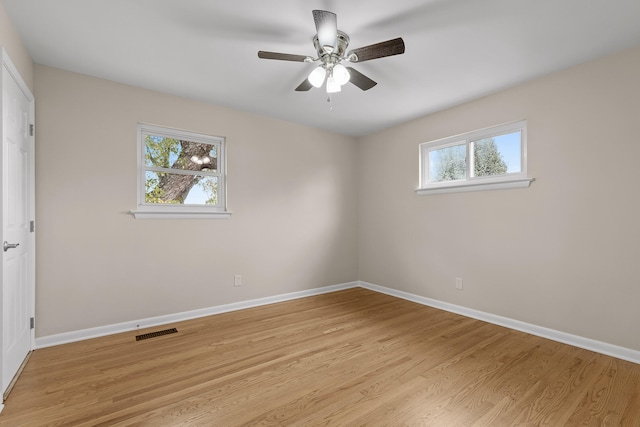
32, 129
32, 323
32, 226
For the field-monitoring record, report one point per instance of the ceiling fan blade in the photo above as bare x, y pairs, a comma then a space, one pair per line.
304, 86
327, 28
281, 56
360, 80
378, 50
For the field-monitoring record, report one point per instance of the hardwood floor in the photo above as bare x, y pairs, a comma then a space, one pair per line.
352, 357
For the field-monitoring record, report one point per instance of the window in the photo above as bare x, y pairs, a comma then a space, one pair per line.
180, 174
491, 158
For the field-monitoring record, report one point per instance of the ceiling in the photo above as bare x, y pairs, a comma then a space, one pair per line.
456, 50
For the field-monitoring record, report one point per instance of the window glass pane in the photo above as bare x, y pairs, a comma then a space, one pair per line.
181, 154
448, 164
205, 192
497, 155
170, 188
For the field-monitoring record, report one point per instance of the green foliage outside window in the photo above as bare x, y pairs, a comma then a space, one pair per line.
487, 159
452, 165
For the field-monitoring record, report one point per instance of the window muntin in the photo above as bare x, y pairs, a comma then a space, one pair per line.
180, 171
489, 155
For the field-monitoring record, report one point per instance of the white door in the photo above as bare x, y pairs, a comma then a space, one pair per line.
17, 206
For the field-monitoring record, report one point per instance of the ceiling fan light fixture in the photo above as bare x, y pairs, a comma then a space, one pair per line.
332, 85
316, 78
341, 74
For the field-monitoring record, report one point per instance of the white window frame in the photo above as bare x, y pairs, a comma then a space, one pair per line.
471, 183
157, 211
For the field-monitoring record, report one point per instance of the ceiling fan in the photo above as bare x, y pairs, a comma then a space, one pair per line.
331, 45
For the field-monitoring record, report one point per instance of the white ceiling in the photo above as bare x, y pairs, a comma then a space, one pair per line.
456, 50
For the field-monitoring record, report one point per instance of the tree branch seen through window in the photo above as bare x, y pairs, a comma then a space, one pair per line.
182, 155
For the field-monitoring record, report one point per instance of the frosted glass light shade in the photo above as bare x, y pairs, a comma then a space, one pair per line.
341, 74
332, 85
316, 78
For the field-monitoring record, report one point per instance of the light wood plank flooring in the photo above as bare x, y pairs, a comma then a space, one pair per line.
353, 357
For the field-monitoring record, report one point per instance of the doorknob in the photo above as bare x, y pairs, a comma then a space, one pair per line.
8, 246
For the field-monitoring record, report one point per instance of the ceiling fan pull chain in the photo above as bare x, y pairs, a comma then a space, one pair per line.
330, 103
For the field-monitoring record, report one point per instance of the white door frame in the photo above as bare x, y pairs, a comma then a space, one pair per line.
13, 71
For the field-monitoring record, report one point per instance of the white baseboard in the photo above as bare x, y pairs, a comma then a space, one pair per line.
100, 331
563, 337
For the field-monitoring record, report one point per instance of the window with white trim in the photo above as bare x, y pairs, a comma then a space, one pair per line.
486, 159
181, 174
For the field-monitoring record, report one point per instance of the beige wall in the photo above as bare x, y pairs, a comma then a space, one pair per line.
292, 191
563, 253
10, 40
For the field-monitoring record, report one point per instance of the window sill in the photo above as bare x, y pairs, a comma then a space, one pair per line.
181, 214
475, 186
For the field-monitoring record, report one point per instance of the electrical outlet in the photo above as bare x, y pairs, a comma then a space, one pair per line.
459, 283
237, 280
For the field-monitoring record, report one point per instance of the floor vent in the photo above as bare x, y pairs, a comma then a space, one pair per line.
156, 334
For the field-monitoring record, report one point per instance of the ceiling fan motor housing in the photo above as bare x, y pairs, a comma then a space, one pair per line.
337, 55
